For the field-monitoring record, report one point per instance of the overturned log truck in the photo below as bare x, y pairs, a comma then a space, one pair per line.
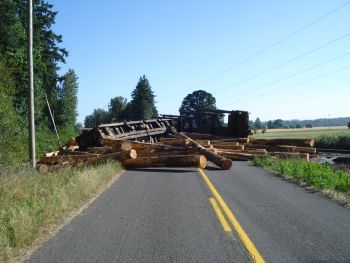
206, 121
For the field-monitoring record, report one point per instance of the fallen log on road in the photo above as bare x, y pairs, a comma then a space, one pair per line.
167, 161
220, 161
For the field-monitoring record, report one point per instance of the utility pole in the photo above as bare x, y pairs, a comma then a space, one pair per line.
31, 85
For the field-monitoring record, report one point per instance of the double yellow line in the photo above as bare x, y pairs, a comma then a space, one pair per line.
216, 201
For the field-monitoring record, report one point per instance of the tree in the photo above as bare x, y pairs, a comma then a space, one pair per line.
278, 124
116, 108
309, 125
257, 123
98, 117
68, 100
349, 124
142, 106
194, 102
270, 125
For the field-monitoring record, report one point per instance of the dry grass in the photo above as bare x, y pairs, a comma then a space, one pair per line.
31, 203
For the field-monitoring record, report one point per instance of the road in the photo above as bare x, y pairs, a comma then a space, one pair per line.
167, 215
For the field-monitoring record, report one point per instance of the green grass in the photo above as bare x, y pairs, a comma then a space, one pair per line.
321, 176
302, 133
31, 203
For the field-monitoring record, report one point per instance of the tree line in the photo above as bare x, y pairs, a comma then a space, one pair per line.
142, 106
291, 124
61, 90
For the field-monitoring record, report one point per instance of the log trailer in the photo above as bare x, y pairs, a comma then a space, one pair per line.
202, 121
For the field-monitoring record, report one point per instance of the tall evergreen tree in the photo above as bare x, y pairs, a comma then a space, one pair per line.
68, 100
142, 105
116, 108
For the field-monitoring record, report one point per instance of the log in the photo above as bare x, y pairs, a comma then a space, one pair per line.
305, 150
220, 161
224, 143
139, 146
119, 156
65, 158
167, 161
146, 153
271, 148
238, 156
72, 142
258, 152
99, 150
55, 153
288, 155
229, 146
203, 142
294, 142
165, 139
176, 142
238, 140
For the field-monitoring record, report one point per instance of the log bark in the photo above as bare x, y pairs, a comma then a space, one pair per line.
167, 161
294, 142
66, 158
305, 150
238, 156
99, 150
147, 153
176, 142
139, 146
271, 148
258, 152
118, 156
229, 146
220, 161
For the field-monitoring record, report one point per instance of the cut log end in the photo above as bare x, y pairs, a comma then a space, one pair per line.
226, 164
43, 168
202, 162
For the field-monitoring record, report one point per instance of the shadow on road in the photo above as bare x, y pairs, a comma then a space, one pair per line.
161, 170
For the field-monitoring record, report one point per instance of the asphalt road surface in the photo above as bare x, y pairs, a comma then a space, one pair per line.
174, 215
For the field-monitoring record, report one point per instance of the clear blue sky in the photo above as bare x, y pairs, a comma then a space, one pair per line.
180, 45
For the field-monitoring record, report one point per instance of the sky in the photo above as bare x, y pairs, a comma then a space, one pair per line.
275, 59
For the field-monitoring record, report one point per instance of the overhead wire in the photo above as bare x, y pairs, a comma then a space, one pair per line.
289, 76
284, 63
295, 84
272, 45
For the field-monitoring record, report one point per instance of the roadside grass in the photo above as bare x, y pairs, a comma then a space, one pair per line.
31, 203
321, 176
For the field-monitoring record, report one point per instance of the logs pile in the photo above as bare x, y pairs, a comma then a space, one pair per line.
242, 149
179, 150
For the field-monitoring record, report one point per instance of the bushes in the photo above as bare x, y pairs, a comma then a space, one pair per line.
319, 175
341, 141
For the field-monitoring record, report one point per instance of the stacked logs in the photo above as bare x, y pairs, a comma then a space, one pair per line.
246, 148
178, 150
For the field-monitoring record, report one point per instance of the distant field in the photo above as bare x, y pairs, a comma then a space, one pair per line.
302, 132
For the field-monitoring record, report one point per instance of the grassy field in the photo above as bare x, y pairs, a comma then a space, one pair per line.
32, 204
302, 133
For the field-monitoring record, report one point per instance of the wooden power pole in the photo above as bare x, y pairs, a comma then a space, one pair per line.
31, 86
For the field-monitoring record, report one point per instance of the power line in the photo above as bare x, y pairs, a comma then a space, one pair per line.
272, 45
296, 84
285, 63
289, 76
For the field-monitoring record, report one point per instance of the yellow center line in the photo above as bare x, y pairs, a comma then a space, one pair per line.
240, 231
220, 216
